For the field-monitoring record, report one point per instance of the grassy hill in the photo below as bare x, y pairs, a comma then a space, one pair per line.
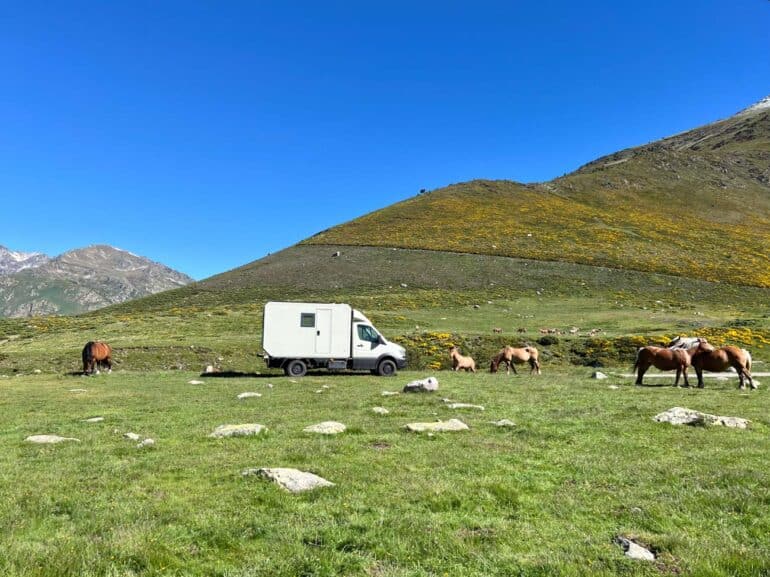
695, 205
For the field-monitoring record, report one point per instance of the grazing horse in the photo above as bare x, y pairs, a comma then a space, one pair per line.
707, 358
461, 362
95, 354
512, 357
663, 359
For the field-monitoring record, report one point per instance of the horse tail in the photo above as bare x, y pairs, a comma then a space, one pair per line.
748, 359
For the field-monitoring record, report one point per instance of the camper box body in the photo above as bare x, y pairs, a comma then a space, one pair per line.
298, 336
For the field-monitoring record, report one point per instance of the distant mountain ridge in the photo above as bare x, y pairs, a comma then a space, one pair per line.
13, 261
79, 280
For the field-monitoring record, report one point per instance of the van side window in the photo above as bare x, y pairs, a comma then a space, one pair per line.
367, 333
307, 320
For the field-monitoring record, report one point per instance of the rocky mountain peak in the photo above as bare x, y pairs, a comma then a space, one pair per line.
12, 261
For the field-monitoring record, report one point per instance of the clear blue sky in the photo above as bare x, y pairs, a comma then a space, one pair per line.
206, 134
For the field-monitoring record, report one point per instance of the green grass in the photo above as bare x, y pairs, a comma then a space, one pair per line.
583, 465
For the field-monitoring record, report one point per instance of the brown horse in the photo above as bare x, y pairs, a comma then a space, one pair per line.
461, 362
512, 356
96, 354
663, 359
707, 358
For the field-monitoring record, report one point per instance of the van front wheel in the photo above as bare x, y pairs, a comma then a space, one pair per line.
386, 368
296, 368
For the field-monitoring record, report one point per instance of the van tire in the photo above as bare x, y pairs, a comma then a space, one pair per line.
386, 368
296, 368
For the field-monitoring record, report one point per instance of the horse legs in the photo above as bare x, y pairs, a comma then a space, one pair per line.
686, 382
699, 372
513, 367
678, 374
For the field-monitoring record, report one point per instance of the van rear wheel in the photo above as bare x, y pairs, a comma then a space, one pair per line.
386, 368
296, 368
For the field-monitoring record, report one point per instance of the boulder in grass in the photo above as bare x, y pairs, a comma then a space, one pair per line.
633, 550
292, 480
380, 410
422, 386
49, 439
326, 428
248, 395
464, 406
504, 423
244, 430
438, 426
682, 416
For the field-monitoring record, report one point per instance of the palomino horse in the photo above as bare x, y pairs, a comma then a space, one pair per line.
461, 362
663, 359
707, 358
512, 356
96, 353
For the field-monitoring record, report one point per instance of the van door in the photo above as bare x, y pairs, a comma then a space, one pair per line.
367, 346
323, 331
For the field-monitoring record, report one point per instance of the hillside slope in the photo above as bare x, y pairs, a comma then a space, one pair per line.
693, 205
83, 280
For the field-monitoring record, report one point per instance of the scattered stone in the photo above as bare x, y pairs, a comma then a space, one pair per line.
325, 428
193, 382
94, 420
319, 391
634, 550
292, 480
209, 369
380, 410
49, 439
269, 385
324, 386
613, 387
465, 406
438, 426
599, 375
476, 306
422, 386
146, 443
503, 423
248, 395
37, 371
404, 285
78, 391
682, 416
131, 436
390, 393
237, 430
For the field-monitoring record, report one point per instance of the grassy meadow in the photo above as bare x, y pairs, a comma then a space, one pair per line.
584, 464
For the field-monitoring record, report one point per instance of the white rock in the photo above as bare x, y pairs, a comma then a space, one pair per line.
209, 369
613, 387
682, 416
438, 426
94, 420
319, 391
244, 430
146, 443
422, 385
635, 551
292, 480
380, 410
465, 406
78, 391
49, 439
37, 371
194, 382
131, 436
249, 395
598, 375
325, 428
269, 385
504, 423
390, 393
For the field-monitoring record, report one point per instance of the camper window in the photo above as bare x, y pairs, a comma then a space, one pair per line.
307, 320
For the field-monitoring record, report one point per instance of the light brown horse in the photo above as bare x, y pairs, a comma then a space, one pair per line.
461, 362
664, 359
512, 356
707, 358
96, 354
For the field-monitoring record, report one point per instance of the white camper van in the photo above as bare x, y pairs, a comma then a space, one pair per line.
298, 336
